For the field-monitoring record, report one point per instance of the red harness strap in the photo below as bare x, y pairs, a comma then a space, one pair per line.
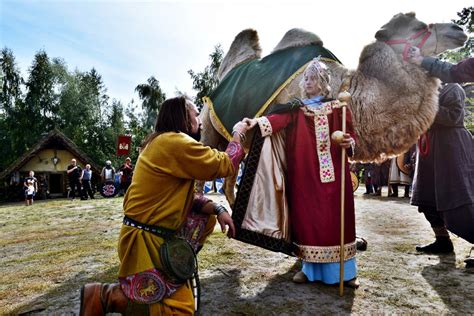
424, 140
408, 41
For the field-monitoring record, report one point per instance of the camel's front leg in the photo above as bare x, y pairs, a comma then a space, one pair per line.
209, 137
229, 189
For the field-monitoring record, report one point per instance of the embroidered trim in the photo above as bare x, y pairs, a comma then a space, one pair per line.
323, 109
193, 228
323, 139
147, 287
220, 127
326, 254
265, 126
235, 152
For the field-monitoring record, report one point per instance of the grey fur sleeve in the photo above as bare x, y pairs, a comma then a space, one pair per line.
451, 106
438, 68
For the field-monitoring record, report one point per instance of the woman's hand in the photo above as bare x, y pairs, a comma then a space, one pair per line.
347, 141
241, 126
240, 129
224, 220
250, 122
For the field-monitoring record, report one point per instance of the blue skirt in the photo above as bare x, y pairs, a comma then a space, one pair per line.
329, 272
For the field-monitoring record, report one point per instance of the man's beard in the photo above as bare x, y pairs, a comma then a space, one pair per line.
197, 135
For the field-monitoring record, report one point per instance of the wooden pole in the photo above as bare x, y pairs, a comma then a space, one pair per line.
343, 180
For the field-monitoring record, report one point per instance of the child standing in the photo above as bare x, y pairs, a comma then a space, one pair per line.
31, 187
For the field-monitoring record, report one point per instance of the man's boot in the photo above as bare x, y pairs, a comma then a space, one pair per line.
470, 260
101, 298
441, 245
407, 191
394, 191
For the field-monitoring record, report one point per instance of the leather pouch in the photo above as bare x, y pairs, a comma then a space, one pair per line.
178, 259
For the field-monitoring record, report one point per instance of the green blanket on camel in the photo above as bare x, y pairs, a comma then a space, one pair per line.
247, 90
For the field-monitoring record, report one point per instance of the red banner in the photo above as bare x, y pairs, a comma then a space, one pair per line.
124, 145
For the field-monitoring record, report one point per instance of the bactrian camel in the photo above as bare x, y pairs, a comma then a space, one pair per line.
393, 101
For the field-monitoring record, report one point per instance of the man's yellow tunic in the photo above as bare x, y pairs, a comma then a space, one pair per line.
161, 194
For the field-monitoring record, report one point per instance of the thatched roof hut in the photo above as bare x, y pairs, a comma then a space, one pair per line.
49, 159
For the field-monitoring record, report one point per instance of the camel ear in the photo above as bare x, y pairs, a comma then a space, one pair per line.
381, 35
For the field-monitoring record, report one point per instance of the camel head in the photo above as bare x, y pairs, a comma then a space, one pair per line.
405, 30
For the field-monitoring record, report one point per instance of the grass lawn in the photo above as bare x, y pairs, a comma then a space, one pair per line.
50, 249
54, 247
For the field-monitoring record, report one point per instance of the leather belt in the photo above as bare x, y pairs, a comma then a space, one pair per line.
156, 230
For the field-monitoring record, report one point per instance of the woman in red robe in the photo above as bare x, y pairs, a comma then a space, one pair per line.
314, 179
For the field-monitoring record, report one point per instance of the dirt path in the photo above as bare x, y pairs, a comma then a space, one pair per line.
394, 278
239, 279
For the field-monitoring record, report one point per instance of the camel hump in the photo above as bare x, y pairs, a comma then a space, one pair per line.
245, 47
297, 38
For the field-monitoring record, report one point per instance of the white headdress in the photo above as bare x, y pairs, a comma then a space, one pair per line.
318, 70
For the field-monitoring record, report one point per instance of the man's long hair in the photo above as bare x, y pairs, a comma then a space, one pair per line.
173, 117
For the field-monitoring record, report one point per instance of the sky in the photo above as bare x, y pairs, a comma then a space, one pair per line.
128, 41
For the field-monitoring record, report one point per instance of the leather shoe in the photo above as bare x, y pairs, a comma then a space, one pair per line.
300, 277
469, 262
353, 284
361, 244
439, 246
99, 299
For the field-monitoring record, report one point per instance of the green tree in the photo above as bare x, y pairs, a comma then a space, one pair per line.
134, 127
61, 78
116, 117
10, 81
31, 115
74, 102
84, 112
40, 101
116, 127
70, 103
152, 96
10, 96
94, 113
206, 81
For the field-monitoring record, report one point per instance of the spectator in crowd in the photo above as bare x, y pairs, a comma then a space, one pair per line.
398, 177
108, 172
368, 177
126, 172
380, 176
86, 177
74, 173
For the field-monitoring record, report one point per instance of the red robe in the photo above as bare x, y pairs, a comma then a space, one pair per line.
314, 205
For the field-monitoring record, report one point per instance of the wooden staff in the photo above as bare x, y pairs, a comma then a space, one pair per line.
344, 97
